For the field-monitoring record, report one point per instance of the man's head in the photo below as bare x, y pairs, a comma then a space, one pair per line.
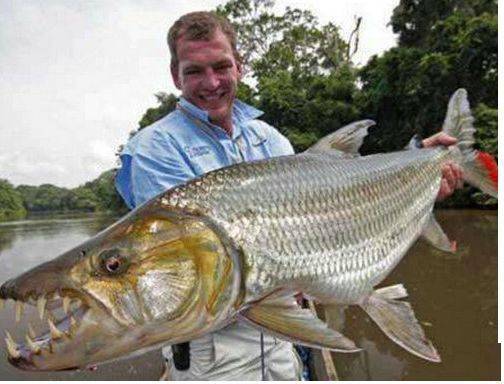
205, 64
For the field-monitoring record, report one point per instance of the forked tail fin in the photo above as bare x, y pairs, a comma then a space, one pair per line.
480, 168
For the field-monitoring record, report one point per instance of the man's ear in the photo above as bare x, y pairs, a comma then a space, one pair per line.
175, 76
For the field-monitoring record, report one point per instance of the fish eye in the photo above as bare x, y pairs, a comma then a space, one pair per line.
112, 262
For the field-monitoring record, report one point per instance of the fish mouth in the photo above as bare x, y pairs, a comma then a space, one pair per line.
60, 313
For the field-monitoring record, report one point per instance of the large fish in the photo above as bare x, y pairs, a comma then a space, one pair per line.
238, 243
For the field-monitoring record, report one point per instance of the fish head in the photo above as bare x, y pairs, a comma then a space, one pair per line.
150, 279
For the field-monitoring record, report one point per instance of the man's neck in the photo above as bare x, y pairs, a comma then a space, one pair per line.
226, 124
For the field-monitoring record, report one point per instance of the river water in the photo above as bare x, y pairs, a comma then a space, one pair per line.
454, 297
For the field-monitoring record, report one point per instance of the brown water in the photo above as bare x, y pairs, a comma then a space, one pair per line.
454, 296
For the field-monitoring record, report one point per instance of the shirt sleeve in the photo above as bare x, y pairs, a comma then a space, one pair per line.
279, 144
151, 166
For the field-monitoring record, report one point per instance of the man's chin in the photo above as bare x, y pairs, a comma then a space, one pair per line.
217, 115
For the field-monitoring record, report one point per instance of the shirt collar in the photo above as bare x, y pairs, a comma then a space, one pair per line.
242, 112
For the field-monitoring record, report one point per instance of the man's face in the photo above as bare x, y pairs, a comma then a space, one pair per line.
208, 74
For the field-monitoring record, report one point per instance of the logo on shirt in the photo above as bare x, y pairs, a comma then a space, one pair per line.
197, 151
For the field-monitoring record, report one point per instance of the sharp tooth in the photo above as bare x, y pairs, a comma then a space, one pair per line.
9, 337
34, 347
66, 304
11, 346
31, 332
55, 332
19, 311
41, 303
75, 304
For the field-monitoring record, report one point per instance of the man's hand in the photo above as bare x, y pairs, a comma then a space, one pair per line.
452, 173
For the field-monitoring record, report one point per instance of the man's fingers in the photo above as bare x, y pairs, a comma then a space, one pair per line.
449, 176
459, 176
440, 138
444, 190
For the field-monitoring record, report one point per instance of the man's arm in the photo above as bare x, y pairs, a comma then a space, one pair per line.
452, 173
150, 167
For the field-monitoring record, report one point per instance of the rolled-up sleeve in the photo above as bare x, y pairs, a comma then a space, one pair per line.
150, 165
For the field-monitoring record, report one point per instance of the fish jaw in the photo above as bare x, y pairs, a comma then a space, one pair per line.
177, 281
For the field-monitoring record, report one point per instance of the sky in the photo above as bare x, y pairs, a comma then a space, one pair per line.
77, 76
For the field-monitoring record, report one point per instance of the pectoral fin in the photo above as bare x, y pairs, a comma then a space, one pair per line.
397, 320
293, 323
435, 235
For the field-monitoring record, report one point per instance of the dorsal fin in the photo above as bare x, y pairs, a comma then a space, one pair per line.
346, 140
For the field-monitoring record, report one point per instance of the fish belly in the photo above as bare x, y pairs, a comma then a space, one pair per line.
315, 223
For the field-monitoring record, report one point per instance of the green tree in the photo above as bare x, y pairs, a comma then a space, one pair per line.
413, 20
167, 103
11, 202
106, 196
303, 79
46, 197
451, 45
82, 199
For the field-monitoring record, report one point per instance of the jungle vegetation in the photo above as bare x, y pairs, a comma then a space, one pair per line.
301, 75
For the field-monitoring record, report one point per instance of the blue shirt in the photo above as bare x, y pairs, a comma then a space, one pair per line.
185, 144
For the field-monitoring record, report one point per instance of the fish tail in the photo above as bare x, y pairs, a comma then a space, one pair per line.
479, 168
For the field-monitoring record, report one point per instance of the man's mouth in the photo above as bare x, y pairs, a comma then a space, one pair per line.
214, 96
60, 315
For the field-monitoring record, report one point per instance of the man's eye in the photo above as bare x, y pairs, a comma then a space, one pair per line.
222, 68
191, 72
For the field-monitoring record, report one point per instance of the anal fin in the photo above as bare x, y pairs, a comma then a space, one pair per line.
397, 320
288, 321
435, 235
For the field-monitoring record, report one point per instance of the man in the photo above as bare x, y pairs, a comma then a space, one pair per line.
211, 129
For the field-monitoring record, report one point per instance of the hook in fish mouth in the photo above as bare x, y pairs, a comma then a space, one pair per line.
60, 330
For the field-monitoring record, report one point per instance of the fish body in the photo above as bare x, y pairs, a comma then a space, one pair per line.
317, 224
237, 243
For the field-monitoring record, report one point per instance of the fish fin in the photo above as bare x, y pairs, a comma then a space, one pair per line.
415, 142
346, 140
397, 320
334, 314
392, 292
299, 325
435, 235
479, 168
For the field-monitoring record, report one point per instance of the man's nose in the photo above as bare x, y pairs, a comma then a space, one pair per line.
211, 80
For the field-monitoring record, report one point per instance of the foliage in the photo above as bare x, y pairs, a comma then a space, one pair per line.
96, 195
442, 46
11, 203
46, 197
486, 129
304, 82
106, 195
167, 103
414, 19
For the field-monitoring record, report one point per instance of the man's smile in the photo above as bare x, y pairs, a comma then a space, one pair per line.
214, 96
